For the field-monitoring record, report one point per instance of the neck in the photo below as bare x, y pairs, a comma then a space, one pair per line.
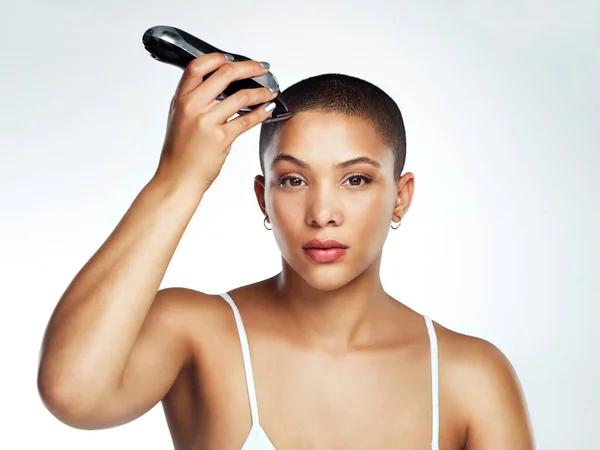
335, 320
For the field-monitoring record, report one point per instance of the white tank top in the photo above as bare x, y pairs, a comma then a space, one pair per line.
257, 438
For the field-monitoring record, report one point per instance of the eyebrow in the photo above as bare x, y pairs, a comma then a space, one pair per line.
342, 165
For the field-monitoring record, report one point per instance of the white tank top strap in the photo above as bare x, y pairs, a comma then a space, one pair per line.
435, 411
246, 358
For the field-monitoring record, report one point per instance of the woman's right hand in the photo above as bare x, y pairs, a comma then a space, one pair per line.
199, 137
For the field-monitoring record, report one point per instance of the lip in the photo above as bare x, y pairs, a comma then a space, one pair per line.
325, 254
328, 250
324, 245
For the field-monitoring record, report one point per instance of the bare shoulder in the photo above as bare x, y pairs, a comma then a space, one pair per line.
201, 316
485, 385
474, 363
190, 309
472, 355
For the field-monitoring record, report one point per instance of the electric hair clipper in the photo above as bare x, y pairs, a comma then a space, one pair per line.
173, 46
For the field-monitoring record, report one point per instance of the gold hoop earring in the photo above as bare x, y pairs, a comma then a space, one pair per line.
265, 224
395, 228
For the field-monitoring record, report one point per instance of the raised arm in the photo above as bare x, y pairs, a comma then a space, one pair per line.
112, 307
113, 347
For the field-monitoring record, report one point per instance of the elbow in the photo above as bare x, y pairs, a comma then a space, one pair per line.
69, 405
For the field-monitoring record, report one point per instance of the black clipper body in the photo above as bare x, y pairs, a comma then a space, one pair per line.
173, 46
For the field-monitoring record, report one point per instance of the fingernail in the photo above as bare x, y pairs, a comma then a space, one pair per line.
228, 56
265, 64
270, 107
274, 90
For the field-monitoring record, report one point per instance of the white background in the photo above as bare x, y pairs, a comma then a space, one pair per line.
500, 101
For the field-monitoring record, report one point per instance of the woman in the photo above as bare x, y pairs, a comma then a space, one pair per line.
327, 357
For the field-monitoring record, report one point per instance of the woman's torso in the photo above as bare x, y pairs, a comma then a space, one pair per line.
380, 396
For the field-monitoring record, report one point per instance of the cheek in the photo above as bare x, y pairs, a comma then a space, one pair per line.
286, 210
287, 216
368, 216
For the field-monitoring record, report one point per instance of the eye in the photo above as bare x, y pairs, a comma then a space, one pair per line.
293, 181
355, 180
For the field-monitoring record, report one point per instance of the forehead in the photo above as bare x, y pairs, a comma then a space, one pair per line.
328, 137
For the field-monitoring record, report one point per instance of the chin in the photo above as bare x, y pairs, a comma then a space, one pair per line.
328, 277
325, 283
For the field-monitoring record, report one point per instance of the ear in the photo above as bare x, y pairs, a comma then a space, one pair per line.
259, 190
405, 189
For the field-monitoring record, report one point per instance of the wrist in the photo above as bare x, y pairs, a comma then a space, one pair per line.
178, 187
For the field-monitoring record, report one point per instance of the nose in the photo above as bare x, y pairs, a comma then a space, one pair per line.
323, 208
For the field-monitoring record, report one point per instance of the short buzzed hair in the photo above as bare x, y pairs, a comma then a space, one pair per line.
349, 96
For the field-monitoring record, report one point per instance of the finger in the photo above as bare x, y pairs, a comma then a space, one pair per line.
195, 71
243, 123
241, 99
225, 75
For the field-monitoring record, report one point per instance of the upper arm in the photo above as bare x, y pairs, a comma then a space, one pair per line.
160, 351
496, 408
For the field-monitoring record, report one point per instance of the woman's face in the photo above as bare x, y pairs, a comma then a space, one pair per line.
309, 193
